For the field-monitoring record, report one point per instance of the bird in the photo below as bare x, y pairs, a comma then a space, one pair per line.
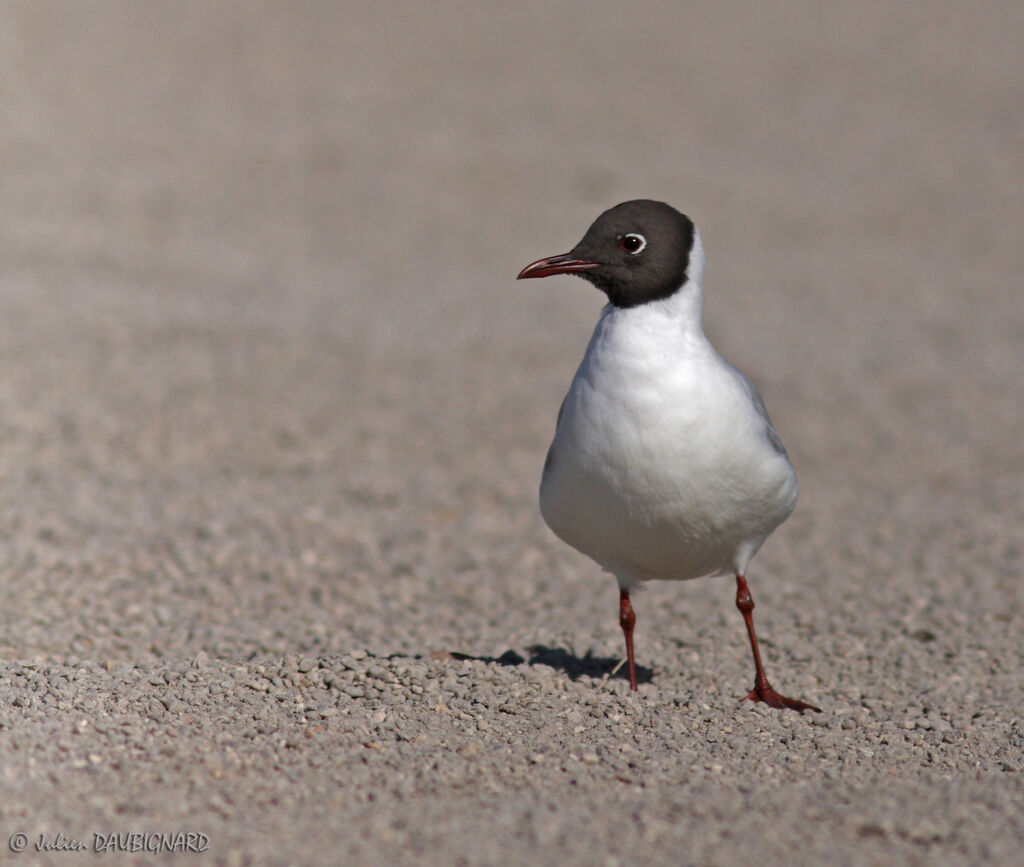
664, 463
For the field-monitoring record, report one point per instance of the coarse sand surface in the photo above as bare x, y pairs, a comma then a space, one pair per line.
274, 410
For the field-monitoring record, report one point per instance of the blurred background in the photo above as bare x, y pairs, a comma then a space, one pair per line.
260, 312
268, 385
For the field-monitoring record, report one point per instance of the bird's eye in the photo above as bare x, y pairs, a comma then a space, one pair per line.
633, 243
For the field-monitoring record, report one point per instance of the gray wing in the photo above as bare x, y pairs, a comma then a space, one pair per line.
550, 457
561, 410
769, 429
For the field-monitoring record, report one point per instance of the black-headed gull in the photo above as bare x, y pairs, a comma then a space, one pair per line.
664, 463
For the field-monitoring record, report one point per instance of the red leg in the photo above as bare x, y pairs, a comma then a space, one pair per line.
627, 620
762, 690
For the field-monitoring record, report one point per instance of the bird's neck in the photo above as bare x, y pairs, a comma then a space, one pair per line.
678, 315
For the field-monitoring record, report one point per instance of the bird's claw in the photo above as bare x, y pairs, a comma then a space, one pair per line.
771, 698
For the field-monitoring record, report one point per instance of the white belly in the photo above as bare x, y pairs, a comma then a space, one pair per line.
662, 466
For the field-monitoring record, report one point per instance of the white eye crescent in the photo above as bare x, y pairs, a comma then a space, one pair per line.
633, 243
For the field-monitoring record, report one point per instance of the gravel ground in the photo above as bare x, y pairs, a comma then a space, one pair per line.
274, 411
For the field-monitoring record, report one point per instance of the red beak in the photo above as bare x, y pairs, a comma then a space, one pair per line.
564, 264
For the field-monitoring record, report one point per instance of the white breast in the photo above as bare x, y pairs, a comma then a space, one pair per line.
664, 464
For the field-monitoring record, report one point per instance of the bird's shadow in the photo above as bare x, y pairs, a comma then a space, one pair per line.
563, 660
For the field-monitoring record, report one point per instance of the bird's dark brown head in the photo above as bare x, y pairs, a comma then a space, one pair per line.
635, 253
